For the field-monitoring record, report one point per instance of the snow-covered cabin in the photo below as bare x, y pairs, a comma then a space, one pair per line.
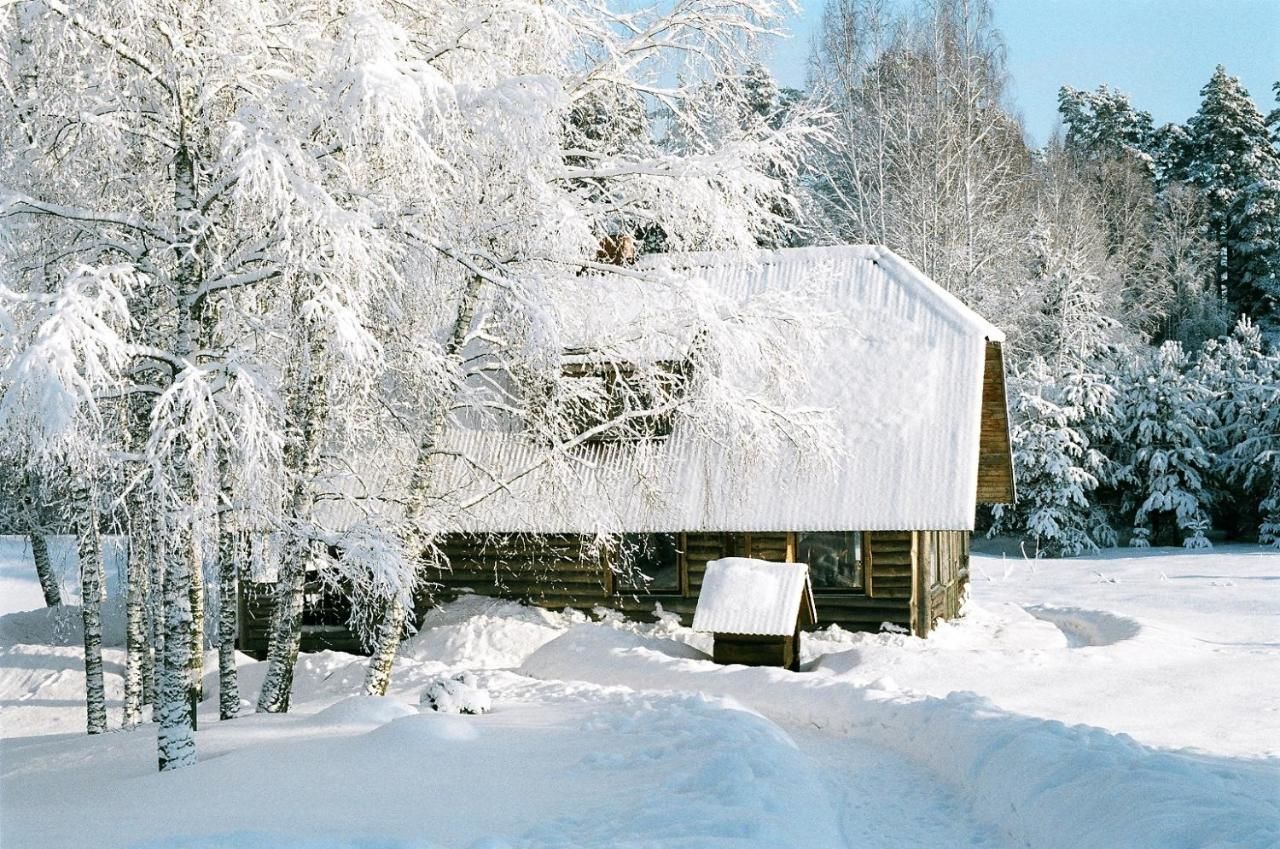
755, 610
912, 385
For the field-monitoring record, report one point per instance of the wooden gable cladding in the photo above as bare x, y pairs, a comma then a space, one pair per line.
995, 453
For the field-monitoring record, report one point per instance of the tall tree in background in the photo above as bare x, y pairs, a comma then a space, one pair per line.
1110, 145
927, 161
1226, 152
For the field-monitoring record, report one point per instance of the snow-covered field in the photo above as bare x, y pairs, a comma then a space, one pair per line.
1127, 700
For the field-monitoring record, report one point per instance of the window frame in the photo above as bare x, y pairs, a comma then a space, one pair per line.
863, 588
681, 589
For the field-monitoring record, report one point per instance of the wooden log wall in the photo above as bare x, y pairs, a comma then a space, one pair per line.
321, 629
554, 571
566, 571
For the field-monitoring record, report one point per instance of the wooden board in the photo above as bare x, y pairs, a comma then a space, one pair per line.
995, 453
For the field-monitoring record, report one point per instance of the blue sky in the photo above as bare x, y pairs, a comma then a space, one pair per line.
1161, 52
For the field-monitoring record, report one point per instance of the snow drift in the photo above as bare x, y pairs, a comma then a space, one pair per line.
1051, 785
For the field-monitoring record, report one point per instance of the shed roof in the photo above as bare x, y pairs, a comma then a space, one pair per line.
741, 595
900, 376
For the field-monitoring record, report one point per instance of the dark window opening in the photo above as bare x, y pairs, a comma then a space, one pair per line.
834, 559
648, 563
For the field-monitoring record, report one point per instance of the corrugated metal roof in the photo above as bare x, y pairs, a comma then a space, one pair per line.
741, 595
900, 376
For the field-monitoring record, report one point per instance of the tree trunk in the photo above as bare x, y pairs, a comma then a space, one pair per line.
386, 643
138, 576
195, 659
387, 640
229, 549
89, 551
306, 418
44, 570
176, 704
286, 625
154, 658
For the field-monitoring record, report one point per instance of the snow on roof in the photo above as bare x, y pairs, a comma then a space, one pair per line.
899, 377
741, 595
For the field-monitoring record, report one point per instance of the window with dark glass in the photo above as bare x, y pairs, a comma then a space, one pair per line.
648, 563
834, 559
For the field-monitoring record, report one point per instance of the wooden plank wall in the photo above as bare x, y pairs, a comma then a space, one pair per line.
565, 571
995, 454
943, 578
553, 571
256, 601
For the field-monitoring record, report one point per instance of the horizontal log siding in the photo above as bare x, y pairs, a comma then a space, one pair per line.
553, 571
995, 454
254, 627
564, 571
892, 562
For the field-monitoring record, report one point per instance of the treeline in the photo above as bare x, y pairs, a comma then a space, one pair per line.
1118, 258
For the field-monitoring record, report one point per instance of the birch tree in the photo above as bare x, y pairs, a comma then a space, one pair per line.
203, 174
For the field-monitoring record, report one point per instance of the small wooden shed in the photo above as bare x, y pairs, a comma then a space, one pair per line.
756, 610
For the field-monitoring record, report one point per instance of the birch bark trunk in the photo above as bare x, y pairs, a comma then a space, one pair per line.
307, 412
391, 629
44, 569
177, 695
89, 551
40, 545
138, 577
229, 550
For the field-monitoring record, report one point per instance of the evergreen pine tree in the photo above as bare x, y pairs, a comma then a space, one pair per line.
1167, 416
1227, 150
1057, 467
1104, 124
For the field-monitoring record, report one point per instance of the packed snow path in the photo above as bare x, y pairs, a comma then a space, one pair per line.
670, 769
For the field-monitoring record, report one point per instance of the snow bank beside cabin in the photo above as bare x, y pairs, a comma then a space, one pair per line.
1051, 785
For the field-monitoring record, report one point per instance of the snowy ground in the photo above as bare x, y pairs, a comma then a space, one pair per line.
1113, 702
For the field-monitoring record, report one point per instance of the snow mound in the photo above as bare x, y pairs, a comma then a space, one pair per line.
1047, 784
483, 633
1084, 628
456, 694
60, 626
363, 710
420, 734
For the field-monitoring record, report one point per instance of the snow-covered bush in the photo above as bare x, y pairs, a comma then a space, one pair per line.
458, 693
1244, 380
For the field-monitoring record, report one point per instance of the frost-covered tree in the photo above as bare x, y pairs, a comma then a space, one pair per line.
225, 170
925, 159
532, 198
1074, 310
1243, 379
1183, 262
1226, 150
1166, 422
1058, 466
1257, 244
1104, 124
